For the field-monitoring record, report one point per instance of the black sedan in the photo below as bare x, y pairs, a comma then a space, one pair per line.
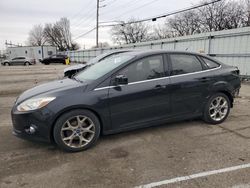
57, 58
128, 91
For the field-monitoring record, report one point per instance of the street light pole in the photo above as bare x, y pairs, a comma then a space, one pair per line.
97, 22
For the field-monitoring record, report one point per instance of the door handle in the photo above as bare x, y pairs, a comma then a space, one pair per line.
158, 87
204, 79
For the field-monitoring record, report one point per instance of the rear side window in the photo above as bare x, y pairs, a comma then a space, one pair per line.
182, 64
210, 64
144, 69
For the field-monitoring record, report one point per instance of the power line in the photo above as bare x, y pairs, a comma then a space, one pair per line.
80, 11
84, 34
83, 19
146, 4
118, 8
163, 15
98, 6
111, 2
122, 23
85, 22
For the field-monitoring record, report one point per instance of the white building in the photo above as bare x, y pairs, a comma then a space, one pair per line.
36, 52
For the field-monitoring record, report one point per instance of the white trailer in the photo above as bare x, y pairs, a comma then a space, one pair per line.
35, 52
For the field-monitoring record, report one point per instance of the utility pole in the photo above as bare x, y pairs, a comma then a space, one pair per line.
97, 22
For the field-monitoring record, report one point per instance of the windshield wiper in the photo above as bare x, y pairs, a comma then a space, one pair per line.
76, 79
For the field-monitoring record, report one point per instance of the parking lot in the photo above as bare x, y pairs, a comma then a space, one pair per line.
136, 158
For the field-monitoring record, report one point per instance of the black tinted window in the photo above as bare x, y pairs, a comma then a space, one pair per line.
211, 64
144, 69
182, 64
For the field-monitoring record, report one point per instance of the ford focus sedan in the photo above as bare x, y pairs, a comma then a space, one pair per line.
127, 91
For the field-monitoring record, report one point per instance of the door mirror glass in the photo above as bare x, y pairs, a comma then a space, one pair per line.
121, 80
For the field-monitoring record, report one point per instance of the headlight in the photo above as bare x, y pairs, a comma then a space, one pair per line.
33, 104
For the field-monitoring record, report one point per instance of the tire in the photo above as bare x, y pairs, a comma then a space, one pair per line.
26, 63
217, 109
76, 130
6, 64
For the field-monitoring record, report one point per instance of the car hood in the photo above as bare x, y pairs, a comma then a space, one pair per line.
49, 88
74, 67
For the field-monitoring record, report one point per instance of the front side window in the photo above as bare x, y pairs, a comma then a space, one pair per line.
183, 64
98, 70
144, 69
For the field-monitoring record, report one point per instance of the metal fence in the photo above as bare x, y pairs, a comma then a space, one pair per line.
230, 46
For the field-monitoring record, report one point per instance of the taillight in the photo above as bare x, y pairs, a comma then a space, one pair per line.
236, 71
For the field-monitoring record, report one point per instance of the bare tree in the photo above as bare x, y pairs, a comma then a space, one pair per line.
221, 15
162, 32
36, 37
235, 15
247, 12
130, 33
187, 23
59, 34
213, 17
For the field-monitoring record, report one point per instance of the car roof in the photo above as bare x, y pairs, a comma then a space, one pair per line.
152, 52
19, 57
142, 53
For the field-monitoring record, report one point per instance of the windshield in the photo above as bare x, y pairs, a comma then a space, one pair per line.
98, 70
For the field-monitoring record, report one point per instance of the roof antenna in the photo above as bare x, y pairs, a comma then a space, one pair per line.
187, 49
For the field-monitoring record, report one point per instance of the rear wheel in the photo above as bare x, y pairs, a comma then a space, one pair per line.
6, 64
217, 109
76, 130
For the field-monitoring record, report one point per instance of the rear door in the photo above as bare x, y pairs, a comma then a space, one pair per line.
189, 82
21, 60
54, 59
144, 98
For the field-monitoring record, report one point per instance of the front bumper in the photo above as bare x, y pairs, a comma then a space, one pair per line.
39, 120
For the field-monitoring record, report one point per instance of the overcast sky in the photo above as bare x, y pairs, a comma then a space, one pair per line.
18, 16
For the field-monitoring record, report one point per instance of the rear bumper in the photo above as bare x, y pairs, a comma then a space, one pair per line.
236, 92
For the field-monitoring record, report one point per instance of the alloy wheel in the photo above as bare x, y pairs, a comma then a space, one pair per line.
78, 131
218, 108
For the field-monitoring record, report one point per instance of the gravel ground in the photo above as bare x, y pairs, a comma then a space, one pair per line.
126, 159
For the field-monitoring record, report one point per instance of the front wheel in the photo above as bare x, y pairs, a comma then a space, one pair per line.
26, 64
76, 130
217, 109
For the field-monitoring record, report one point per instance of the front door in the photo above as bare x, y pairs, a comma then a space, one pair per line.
145, 98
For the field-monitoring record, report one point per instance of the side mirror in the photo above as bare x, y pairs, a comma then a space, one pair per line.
121, 80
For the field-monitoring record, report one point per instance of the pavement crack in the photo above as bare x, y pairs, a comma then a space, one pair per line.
234, 132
